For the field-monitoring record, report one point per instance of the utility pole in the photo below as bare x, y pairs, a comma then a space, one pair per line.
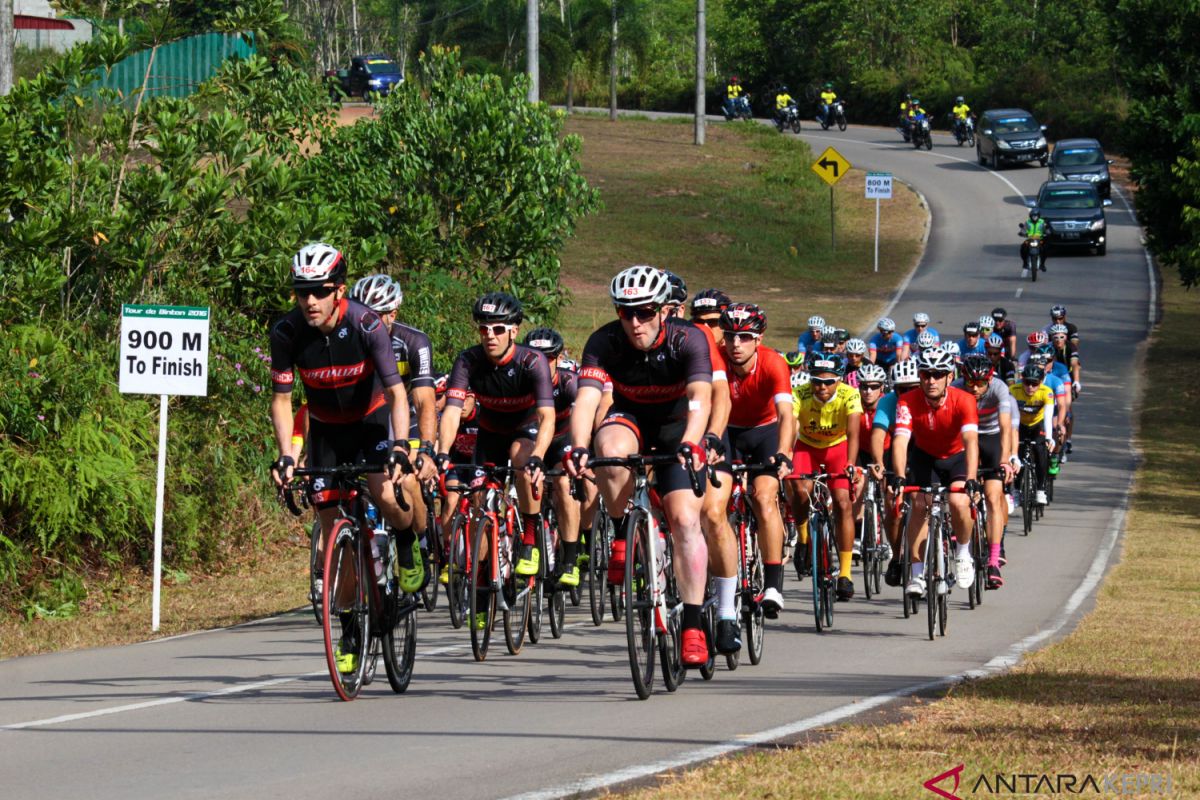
612, 66
531, 46
6, 46
701, 68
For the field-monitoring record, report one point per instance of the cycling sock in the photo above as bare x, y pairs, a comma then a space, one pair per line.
961, 548
918, 569
845, 562
773, 576
726, 589
404, 543
482, 598
691, 616
570, 554
529, 534
585, 536
993, 555
804, 532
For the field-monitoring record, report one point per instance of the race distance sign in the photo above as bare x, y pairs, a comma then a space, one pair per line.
164, 350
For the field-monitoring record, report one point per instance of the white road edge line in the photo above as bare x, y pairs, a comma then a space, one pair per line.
1152, 314
998, 664
1019, 293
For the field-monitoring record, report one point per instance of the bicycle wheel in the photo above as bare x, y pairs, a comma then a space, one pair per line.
980, 552
557, 607
869, 530
829, 583
1028, 498
944, 598
400, 648
315, 562
814, 549
458, 571
538, 594
518, 596
639, 622
751, 612
616, 602
597, 566
933, 547
670, 644
480, 582
709, 620
345, 607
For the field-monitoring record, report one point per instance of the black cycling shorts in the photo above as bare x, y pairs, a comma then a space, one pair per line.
755, 445
558, 447
656, 437
990, 450
493, 448
331, 444
923, 468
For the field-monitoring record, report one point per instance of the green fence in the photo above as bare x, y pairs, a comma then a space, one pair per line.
179, 67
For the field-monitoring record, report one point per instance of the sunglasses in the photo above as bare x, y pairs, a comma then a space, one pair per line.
641, 314
933, 376
822, 381
920, 324
499, 329
320, 292
710, 322
1033, 384
741, 337
871, 387
978, 382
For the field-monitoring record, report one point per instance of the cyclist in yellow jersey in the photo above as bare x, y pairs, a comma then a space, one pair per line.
1036, 402
828, 415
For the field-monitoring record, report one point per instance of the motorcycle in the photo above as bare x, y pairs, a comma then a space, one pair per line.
964, 131
738, 108
922, 134
905, 127
1035, 257
835, 114
788, 117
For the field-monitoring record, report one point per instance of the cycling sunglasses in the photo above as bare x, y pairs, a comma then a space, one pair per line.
710, 322
499, 329
978, 382
933, 375
730, 336
319, 292
641, 314
823, 381
1032, 384
874, 387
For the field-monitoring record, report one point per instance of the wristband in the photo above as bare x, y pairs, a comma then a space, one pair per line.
402, 444
282, 463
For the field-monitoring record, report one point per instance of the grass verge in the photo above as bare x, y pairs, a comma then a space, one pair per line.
1120, 695
744, 213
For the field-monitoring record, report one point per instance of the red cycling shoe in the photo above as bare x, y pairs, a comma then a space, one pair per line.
695, 647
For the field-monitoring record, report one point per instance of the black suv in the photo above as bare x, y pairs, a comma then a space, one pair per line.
1075, 213
1081, 160
1009, 134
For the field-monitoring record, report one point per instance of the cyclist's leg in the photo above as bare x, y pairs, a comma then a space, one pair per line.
618, 436
920, 471
764, 500
519, 451
719, 538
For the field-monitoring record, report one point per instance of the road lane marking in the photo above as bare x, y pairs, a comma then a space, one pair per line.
1152, 314
1019, 292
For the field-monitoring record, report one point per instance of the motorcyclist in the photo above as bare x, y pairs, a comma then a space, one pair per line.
915, 110
960, 112
905, 124
733, 91
782, 101
828, 98
1034, 228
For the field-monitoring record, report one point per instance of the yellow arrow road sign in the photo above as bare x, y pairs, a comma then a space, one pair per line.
830, 166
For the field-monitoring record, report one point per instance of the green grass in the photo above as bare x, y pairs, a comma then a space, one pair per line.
1120, 694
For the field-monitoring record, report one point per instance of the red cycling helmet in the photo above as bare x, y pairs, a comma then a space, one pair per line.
1037, 339
977, 367
743, 317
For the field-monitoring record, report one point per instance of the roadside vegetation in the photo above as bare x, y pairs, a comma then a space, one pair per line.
1120, 694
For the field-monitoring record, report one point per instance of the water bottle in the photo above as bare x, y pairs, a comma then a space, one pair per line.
379, 552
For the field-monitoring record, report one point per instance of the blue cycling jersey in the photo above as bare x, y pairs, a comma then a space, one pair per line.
806, 342
883, 349
911, 335
965, 349
885, 411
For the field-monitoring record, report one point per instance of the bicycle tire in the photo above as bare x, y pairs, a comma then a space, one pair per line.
1028, 498
519, 593
537, 592
640, 631
400, 650
345, 549
315, 556
597, 568
933, 545
709, 622
557, 613
944, 599
814, 536
981, 552
829, 584
754, 619
432, 557
481, 637
616, 601
868, 530
458, 571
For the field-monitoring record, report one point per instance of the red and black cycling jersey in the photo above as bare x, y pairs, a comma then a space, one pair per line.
652, 382
566, 387
344, 372
462, 450
414, 356
506, 393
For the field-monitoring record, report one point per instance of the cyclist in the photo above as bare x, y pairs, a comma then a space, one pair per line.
856, 352
707, 306
993, 401
353, 391
1036, 400
661, 370
1059, 381
549, 343
795, 361
809, 341
924, 341
515, 396
887, 347
461, 452
920, 325
972, 341
870, 380
937, 436
1058, 316
830, 341
997, 353
1036, 342
677, 298
883, 425
987, 325
1006, 330
762, 429
828, 416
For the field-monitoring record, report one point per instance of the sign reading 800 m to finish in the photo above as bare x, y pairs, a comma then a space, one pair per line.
164, 350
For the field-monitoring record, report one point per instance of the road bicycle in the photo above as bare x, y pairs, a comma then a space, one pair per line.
871, 537
979, 541
458, 545
546, 586
822, 550
363, 611
939, 579
751, 578
654, 610
1027, 486
432, 553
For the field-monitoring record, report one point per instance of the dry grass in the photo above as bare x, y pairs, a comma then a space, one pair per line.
1121, 694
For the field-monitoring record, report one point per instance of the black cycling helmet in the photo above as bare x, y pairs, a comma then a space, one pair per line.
678, 295
1033, 372
498, 307
709, 301
999, 314
827, 362
977, 367
547, 340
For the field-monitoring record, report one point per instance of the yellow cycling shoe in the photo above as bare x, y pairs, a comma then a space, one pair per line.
444, 575
411, 578
569, 577
530, 558
346, 662
481, 620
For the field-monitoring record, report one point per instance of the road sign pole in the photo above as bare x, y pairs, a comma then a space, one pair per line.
832, 236
158, 511
877, 234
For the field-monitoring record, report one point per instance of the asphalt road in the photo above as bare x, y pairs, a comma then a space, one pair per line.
249, 711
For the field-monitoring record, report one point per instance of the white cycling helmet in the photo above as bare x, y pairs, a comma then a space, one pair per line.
640, 286
316, 265
952, 348
828, 332
378, 292
816, 322
987, 322
905, 372
871, 373
935, 359
1059, 329
887, 325
925, 340
995, 342
799, 378
856, 347
920, 318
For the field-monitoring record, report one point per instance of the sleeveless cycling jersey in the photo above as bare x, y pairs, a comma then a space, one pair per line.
824, 424
345, 372
937, 431
414, 356
566, 387
507, 393
755, 394
653, 382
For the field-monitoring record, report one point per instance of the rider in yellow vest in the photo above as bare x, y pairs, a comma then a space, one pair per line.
828, 98
782, 101
733, 91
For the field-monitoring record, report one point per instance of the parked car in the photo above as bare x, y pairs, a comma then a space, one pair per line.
373, 73
1009, 135
1075, 213
1081, 160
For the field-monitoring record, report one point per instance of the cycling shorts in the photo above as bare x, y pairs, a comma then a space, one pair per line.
659, 438
493, 448
556, 451
754, 445
331, 444
832, 459
924, 468
864, 459
990, 451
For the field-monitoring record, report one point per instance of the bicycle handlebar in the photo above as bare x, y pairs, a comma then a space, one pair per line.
640, 462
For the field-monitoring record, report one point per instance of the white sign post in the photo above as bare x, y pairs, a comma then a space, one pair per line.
879, 187
164, 351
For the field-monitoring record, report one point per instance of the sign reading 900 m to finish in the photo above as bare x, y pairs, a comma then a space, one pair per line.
164, 350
